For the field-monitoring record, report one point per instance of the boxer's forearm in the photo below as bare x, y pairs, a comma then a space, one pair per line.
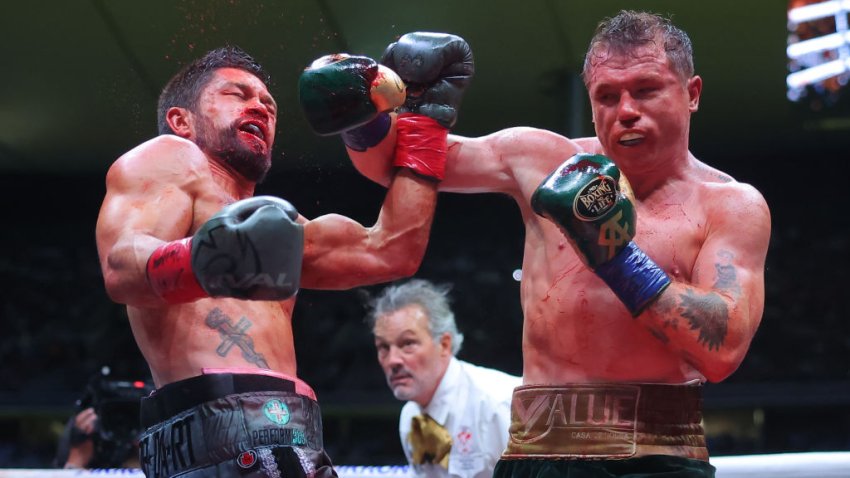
709, 328
404, 223
375, 163
340, 254
123, 266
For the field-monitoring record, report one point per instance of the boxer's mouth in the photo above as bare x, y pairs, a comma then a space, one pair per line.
631, 139
254, 128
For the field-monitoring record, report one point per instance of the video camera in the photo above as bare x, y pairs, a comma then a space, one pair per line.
117, 404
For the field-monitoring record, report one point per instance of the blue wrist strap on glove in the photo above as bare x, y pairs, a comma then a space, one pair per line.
369, 134
635, 278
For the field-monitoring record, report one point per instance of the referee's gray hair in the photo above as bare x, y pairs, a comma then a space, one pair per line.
431, 297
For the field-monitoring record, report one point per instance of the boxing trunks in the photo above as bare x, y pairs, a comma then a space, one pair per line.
638, 427
236, 425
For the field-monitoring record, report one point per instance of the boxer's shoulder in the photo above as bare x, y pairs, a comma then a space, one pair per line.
717, 189
160, 158
705, 174
733, 200
164, 151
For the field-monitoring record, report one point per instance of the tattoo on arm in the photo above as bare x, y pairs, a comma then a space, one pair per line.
234, 335
666, 305
659, 334
707, 314
727, 277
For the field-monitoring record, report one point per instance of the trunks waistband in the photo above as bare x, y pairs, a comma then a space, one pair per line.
182, 395
606, 421
230, 418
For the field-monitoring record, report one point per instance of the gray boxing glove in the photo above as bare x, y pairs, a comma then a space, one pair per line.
251, 249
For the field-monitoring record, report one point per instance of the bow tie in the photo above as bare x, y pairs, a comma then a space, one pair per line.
430, 441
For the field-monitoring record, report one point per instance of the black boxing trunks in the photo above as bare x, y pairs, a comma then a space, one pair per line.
606, 422
233, 425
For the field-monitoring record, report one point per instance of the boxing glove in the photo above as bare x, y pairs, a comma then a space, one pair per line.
584, 198
437, 68
251, 249
341, 92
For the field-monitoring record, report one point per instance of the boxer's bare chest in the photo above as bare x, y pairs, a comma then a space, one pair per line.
211, 197
576, 327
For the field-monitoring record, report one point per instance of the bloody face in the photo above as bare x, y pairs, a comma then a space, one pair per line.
235, 122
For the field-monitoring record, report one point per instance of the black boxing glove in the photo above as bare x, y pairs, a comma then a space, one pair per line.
437, 68
251, 249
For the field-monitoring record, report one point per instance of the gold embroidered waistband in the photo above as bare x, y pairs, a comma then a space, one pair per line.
606, 421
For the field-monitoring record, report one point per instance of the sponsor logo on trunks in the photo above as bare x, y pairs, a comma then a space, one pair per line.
596, 198
580, 413
246, 459
277, 412
169, 449
279, 436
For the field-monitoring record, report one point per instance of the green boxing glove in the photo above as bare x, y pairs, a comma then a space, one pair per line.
340, 92
584, 199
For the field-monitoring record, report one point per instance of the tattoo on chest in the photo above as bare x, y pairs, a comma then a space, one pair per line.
234, 336
707, 314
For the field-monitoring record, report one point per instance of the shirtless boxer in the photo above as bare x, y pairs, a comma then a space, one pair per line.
624, 317
209, 273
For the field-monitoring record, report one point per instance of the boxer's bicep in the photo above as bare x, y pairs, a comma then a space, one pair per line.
138, 214
732, 259
713, 317
339, 253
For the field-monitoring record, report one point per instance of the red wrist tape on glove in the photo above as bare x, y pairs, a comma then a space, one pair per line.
421, 145
169, 271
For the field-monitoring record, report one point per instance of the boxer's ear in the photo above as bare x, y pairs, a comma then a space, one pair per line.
694, 92
180, 121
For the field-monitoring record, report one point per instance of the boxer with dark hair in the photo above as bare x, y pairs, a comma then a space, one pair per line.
633, 296
209, 273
